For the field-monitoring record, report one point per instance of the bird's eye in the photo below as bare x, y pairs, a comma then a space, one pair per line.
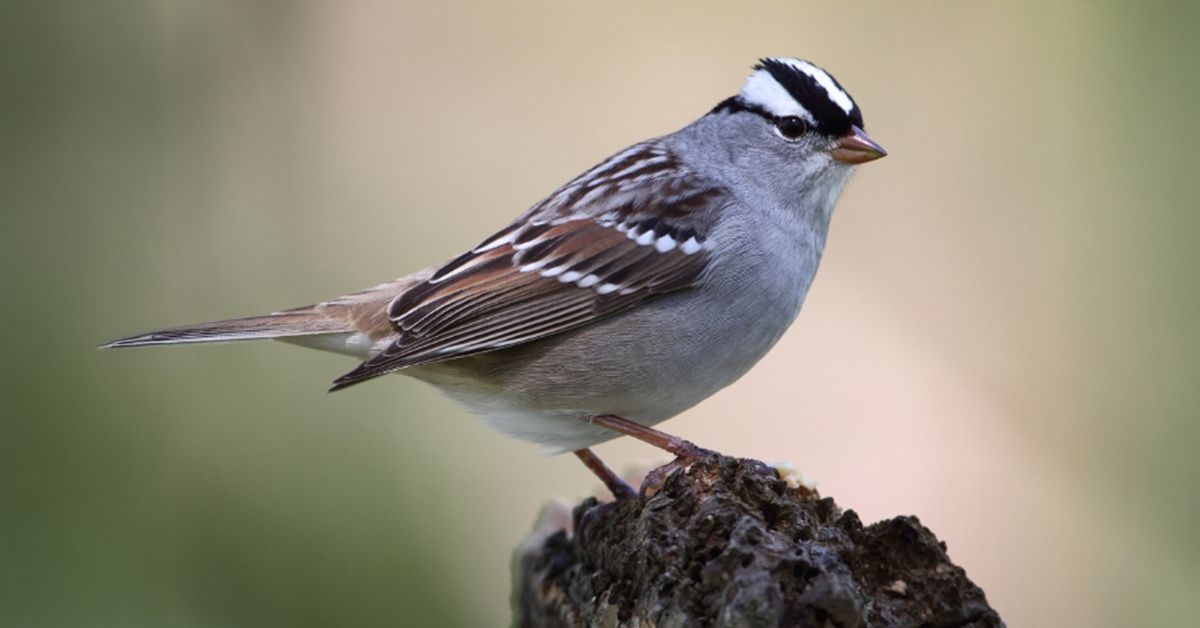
790, 128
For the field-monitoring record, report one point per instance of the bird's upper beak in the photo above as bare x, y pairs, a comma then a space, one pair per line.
856, 147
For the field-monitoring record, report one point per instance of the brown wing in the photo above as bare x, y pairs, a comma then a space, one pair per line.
630, 228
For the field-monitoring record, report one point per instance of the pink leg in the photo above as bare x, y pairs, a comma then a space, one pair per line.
615, 484
673, 444
685, 452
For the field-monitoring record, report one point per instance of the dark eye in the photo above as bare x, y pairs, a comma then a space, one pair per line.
790, 128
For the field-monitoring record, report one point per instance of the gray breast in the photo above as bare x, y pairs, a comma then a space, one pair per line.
651, 362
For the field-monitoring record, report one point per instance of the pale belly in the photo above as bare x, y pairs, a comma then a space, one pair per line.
646, 364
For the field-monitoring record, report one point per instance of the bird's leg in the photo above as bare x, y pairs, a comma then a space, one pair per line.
682, 449
619, 488
685, 452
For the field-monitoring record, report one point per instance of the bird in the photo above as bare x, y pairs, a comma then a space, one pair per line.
628, 295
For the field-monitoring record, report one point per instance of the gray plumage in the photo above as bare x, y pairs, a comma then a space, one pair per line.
638, 289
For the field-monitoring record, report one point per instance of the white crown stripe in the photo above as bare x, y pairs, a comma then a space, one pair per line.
836, 94
763, 90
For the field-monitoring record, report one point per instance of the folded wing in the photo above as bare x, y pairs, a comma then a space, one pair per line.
631, 228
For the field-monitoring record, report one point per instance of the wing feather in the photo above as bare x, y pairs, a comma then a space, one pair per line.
631, 228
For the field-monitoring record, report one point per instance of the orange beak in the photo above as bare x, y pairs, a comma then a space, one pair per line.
856, 147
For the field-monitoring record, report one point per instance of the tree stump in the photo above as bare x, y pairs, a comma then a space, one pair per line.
727, 542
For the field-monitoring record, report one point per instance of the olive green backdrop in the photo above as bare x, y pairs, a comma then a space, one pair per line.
1003, 339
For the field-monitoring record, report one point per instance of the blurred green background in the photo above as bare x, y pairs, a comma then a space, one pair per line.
1004, 338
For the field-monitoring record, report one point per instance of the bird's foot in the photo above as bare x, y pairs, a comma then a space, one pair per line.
657, 477
685, 452
617, 486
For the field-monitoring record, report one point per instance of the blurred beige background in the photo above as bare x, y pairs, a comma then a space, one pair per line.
1003, 338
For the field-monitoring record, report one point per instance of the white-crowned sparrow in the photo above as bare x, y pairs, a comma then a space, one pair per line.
630, 294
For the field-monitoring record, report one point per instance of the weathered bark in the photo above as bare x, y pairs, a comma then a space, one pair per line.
726, 542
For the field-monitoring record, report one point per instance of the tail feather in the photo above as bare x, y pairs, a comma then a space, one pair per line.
291, 323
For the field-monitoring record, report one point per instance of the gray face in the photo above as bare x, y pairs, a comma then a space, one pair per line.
746, 152
792, 135
758, 149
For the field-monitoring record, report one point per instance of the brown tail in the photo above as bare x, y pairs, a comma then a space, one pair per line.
290, 323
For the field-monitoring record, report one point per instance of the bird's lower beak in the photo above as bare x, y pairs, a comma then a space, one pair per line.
856, 147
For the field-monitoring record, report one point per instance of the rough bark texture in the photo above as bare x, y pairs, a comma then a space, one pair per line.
726, 542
